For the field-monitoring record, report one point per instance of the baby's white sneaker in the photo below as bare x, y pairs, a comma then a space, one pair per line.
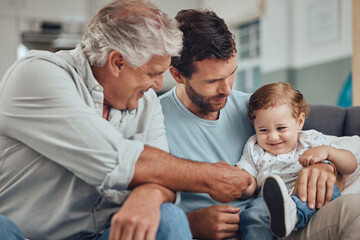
282, 209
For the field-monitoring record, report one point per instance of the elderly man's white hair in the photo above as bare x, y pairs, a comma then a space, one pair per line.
135, 28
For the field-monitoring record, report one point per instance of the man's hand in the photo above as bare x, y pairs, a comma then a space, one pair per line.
316, 184
227, 183
214, 222
139, 216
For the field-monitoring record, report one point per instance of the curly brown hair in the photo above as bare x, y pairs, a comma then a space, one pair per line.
275, 94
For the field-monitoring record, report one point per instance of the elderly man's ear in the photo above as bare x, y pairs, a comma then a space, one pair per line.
176, 75
115, 63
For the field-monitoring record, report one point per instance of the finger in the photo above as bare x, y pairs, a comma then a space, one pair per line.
311, 189
301, 161
114, 234
295, 190
302, 185
329, 191
321, 190
307, 160
250, 181
304, 163
127, 232
226, 235
151, 233
229, 214
231, 227
302, 157
115, 229
232, 219
139, 232
228, 209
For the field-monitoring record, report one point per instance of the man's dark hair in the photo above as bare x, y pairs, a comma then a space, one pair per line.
205, 35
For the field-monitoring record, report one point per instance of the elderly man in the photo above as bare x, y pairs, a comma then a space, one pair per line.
82, 140
207, 121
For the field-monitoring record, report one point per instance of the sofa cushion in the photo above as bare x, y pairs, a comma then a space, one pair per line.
326, 119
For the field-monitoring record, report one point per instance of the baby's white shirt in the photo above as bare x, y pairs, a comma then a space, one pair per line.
259, 163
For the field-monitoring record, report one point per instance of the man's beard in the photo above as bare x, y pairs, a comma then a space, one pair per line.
203, 102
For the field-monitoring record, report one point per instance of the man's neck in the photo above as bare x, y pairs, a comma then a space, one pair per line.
106, 111
181, 94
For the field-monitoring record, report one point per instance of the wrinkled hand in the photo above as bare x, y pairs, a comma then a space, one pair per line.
314, 155
214, 222
139, 217
315, 184
227, 182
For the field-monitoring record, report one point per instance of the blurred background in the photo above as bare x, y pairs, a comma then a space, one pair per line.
307, 43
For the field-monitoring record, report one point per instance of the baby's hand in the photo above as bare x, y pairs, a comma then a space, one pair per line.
314, 155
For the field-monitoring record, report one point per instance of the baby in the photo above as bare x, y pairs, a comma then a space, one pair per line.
279, 150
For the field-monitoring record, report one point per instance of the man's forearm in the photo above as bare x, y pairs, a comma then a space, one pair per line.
178, 174
222, 181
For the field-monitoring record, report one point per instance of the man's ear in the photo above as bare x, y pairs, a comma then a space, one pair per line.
176, 75
301, 120
115, 63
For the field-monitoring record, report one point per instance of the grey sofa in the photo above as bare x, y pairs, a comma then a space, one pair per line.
334, 120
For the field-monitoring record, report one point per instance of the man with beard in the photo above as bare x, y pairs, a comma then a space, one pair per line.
207, 121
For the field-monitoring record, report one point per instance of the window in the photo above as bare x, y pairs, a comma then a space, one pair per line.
248, 75
249, 40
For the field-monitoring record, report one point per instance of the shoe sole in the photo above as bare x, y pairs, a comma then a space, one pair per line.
275, 203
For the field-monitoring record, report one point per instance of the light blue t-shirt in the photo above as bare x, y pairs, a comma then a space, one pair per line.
197, 139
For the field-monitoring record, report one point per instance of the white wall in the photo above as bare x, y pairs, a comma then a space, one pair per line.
173, 7
235, 12
287, 39
276, 32
306, 52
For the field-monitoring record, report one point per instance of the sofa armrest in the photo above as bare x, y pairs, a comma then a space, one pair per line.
352, 121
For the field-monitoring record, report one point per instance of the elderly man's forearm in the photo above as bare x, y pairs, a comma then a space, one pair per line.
157, 166
222, 181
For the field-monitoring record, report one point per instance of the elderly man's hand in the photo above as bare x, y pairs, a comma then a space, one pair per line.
214, 222
316, 184
139, 216
227, 182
